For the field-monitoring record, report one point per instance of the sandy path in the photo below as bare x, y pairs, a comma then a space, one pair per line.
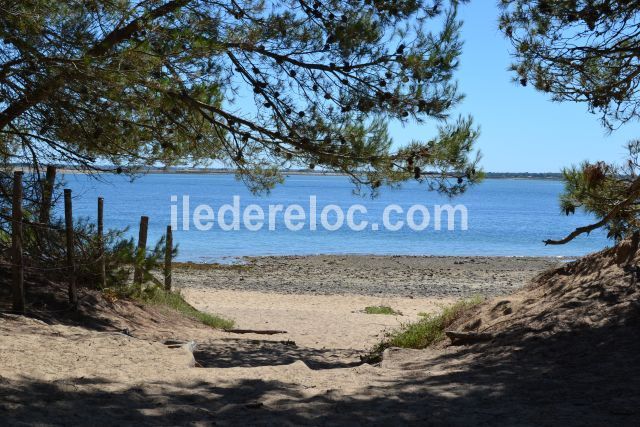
315, 321
68, 375
319, 300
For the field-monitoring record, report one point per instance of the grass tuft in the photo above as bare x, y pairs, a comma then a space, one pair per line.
175, 301
423, 333
381, 309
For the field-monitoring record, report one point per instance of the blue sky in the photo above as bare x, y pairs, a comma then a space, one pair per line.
522, 130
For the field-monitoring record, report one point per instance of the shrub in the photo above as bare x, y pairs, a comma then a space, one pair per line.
381, 309
174, 300
423, 333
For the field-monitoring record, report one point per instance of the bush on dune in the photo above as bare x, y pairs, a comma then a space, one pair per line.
381, 309
174, 300
425, 332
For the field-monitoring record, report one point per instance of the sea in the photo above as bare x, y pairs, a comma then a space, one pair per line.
504, 217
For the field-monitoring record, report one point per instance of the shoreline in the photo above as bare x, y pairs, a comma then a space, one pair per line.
552, 176
215, 261
368, 275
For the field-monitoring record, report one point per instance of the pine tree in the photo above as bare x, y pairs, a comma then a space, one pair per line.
255, 85
586, 51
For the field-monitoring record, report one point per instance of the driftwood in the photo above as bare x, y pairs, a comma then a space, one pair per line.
189, 345
255, 331
461, 338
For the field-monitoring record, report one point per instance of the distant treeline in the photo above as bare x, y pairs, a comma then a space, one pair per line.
72, 168
523, 175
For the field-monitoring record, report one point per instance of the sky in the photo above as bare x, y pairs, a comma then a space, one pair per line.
521, 129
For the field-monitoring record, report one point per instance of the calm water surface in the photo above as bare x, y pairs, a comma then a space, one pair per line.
505, 217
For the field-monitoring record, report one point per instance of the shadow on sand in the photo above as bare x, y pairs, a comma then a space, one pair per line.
588, 377
232, 352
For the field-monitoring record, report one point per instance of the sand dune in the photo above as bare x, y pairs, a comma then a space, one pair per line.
65, 374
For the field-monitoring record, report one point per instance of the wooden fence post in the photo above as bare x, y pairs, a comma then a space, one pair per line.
167, 259
47, 195
142, 250
68, 220
16, 245
102, 261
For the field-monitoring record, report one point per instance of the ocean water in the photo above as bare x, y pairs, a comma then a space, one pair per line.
505, 217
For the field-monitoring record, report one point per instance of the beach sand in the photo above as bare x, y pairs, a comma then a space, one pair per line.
320, 300
58, 374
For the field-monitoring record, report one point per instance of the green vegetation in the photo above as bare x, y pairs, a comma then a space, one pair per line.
158, 296
381, 309
122, 86
425, 332
139, 84
587, 52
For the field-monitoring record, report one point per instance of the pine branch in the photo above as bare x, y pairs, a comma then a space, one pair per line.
634, 191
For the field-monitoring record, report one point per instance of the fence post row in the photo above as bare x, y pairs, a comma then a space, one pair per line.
102, 261
167, 259
16, 245
47, 195
142, 250
68, 220
16, 241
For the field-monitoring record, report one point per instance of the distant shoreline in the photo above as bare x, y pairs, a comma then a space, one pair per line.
158, 171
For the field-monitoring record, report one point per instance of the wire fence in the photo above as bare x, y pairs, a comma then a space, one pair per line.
5, 219
35, 261
58, 249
